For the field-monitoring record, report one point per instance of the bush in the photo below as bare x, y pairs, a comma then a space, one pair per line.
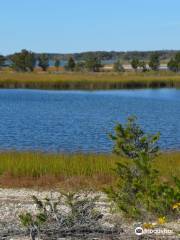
139, 193
72, 212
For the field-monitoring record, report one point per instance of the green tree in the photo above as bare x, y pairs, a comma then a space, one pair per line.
18, 62
174, 63
57, 63
142, 65
135, 64
118, 67
44, 61
177, 57
2, 60
71, 64
23, 61
93, 64
154, 62
139, 193
30, 61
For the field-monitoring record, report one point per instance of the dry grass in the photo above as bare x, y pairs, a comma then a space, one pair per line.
76, 171
89, 81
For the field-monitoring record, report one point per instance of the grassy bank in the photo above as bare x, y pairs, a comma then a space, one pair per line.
89, 81
70, 171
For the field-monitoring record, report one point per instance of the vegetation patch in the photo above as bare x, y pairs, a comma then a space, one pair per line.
89, 81
139, 192
72, 171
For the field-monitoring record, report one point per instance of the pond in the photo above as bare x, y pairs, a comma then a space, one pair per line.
79, 121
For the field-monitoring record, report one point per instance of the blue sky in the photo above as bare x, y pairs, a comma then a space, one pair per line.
87, 25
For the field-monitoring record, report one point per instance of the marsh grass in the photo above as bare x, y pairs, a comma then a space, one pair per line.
168, 165
75, 171
89, 81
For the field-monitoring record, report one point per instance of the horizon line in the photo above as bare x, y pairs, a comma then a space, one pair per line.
94, 51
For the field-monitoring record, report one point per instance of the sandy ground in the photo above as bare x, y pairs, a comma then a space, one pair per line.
15, 201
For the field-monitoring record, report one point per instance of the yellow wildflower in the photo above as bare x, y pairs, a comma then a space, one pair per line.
176, 205
162, 220
148, 225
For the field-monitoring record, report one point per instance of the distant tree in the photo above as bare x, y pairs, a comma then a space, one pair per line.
2, 60
142, 65
135, 64
44, 61
177, 57
80, 66
174, 63
30, 61
118, 67
154, 62
71, 64
23, 61
57, 63
93, 64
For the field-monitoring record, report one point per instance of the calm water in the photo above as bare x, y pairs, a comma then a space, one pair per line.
80, 121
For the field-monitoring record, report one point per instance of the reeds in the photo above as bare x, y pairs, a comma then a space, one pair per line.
27, 169
89, 81
38, 164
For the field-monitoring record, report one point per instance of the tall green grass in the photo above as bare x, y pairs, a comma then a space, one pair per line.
34, 166
89, 81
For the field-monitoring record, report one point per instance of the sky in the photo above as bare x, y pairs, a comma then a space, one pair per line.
68, 26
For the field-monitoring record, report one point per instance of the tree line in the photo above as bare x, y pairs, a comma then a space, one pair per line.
153, 64
113, 55
26, 61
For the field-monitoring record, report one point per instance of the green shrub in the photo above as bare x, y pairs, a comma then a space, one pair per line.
33, 223
139, 192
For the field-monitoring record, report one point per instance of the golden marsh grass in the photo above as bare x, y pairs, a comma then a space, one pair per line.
89, 81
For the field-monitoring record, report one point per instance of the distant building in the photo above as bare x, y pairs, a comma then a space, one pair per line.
128, 67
